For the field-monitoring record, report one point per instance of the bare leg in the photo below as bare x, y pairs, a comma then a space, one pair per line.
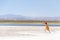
49, 31
45, 30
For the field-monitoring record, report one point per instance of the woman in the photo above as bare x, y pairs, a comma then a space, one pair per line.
47, 27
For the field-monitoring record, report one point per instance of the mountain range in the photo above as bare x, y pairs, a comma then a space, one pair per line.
14, 17
21, 17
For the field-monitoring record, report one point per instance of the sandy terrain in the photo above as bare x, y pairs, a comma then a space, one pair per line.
10, 30
28, 33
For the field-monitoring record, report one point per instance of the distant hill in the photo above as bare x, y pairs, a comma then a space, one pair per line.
20, 17
48, 18
13, 17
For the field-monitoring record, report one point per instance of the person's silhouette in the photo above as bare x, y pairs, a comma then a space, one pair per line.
47, 27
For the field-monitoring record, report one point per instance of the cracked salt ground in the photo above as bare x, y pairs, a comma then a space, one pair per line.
38, 36
29, 33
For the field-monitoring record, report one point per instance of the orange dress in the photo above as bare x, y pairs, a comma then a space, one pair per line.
46, 26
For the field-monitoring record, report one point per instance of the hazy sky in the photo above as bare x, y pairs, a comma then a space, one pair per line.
33, 8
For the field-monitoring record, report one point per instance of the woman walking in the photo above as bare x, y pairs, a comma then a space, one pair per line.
47, 27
